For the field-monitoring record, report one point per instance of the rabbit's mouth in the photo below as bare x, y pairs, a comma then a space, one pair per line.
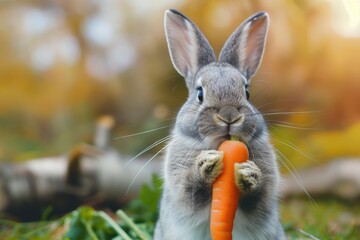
228, 137
234, 136
214, 142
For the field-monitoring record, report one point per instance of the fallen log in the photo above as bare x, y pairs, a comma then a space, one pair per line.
89, 174
339, 178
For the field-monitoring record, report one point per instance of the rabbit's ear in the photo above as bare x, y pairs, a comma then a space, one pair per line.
189, 49
244, 49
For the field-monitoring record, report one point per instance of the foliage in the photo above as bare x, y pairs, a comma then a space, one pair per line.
145, 208
87, 223
302, 219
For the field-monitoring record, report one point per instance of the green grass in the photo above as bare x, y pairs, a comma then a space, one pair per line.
302, 219
324, 219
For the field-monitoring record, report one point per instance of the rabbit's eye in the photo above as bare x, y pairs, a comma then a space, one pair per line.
200, 94
247, 94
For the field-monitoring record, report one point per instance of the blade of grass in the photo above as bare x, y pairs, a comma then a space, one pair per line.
89, 230
132, 225
37, 229
114, 225
308, 234
117, 238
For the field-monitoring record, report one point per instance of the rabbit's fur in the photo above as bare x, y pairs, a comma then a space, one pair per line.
217, 108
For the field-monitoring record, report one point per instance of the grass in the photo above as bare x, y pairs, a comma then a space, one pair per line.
302, 219
324, 219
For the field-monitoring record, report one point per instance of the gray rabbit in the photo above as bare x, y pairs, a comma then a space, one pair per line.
217, 107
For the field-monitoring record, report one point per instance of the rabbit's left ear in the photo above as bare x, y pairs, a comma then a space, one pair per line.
189, 49
244, 49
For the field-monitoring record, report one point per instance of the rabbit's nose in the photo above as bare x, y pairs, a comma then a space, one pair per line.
229, 115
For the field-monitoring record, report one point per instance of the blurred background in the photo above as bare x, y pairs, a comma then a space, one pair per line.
64, 64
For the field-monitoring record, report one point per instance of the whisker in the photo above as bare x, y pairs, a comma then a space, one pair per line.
275, 101
296, 148
176, 86
141, 133
293, 127
294, 174
142, 168
164, 139
163, 80
298, 124
257, 94
290, 112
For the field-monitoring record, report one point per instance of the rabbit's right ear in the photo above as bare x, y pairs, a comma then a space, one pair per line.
244, 49
189, 49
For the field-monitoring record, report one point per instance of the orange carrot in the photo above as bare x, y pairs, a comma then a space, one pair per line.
225, 194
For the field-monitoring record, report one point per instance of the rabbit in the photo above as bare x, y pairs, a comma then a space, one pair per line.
217, 108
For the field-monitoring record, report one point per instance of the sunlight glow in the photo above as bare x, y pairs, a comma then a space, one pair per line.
348, 23
353, 9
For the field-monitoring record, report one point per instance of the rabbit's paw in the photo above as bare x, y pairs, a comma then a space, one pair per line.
210, 164
247, 176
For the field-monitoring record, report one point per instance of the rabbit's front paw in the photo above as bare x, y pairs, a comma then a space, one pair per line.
210, 164
247, 176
